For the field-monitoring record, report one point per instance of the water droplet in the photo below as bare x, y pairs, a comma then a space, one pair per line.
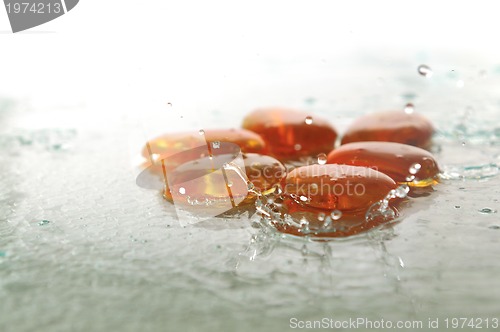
410, 178
425, 70
322, 158
169, 104
457, 206
402, 191
304, 250
43, 222
201, 132
303, 198
216, 145
297, 147
182, 190
229, 184
494, 227
250, 186
415, 168
304, 225
460, 84
409, 108
336, 214
321, 216
487, 210
401, 262
309, 120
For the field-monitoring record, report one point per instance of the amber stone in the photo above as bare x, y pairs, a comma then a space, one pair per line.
172, 143
338, 187
291, 134
403, 163
392, 126
219, 179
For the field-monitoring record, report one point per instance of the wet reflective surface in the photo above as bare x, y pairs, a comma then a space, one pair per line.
83, 248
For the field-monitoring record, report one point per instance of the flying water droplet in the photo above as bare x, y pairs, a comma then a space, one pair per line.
321, 216
308, 120
201, 132
322, 159
409, 108
494, 227
216, 145
297, 147
43, 222
425, 70
182, 190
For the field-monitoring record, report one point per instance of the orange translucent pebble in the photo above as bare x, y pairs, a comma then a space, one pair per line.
403, 163
392, 126
207, 180
291, 134
173, 143
338, 187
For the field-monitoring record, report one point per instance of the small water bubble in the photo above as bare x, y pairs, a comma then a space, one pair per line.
336, 214
321, 216
460, 84
303, 198
304, 226
216, 145
308, 120
487, 210
410, 178
322, 159
409, 108
250, 186
169, 104
182, 190
415, 168
297, 147
43, 222
229, 184
457, 206
201, 132
494, 227
425, 70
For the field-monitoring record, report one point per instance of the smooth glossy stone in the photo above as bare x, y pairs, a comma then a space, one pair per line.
338, 187
403, 163
170, 144
291, 134
206, 180
392, 126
